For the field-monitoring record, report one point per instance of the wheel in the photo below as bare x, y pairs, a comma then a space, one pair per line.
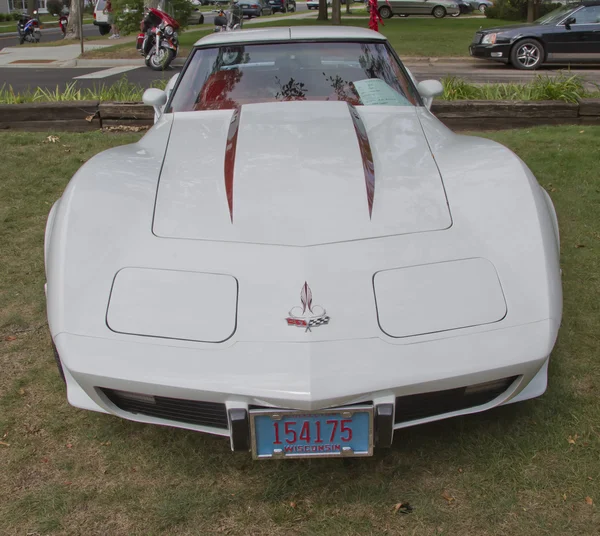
385, 12
482, 8
104, 30
291, 8
439, 12
160, 61
527, 54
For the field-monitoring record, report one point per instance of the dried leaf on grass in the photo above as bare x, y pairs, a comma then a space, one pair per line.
448, 497
589, 500
573, 439
52, 139
10, 338
4, 444
403, 508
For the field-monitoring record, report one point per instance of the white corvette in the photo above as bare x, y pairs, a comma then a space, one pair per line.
299, 256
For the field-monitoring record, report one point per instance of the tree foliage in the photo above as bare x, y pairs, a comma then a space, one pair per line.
129, 13
517, 9
54, 7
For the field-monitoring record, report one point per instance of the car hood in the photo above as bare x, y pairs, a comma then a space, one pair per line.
510, 28
298, 173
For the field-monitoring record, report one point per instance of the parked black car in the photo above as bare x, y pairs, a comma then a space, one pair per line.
465, 8
277, 5
255, 8
569, 34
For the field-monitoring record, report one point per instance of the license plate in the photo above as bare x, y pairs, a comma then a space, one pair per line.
293, 434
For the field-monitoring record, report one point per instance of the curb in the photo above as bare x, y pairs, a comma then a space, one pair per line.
100, 63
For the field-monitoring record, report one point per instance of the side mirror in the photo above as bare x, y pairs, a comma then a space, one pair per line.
428, 89
569, 21
156, 98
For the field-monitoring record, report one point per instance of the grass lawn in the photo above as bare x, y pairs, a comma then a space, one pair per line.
531, 468
429, 37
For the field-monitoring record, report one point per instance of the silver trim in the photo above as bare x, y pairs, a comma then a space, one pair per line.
278, 414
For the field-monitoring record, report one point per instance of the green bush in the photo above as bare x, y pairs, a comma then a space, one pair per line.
2, 17
564, 87
517, 9
54, 7
15, 15
129, 13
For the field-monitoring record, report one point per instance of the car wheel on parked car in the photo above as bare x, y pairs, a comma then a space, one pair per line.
385, 12
482, 8
527, 54
439, 12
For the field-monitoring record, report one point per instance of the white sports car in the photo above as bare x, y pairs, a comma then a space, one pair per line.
300, 257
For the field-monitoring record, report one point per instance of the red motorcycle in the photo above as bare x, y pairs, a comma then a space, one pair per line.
158, 41
62, 22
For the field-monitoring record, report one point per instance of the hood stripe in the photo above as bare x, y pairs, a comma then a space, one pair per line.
230, 148
366, 155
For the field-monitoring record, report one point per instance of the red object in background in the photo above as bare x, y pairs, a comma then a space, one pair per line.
374, 18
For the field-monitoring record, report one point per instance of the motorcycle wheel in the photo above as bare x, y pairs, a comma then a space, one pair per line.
161, 61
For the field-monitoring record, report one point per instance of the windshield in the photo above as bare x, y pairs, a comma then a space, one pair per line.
554, 17
227, 77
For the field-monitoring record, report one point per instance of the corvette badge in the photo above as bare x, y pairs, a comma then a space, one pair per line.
309, 315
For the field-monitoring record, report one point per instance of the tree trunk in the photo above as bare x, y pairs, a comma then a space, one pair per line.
530, 11
73, 24
336, 12
348, 7
31, 6
323, 14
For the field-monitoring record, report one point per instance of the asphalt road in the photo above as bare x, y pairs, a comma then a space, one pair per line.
48, 34
476, 72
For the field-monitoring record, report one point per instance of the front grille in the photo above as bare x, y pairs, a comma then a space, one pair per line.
171, 409
420, 406
476, 39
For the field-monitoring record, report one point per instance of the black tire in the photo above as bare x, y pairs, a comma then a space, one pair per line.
385, 12
104, 30
164, 64
482, 8
439, 12
527, 54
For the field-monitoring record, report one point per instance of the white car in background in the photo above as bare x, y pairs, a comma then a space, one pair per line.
101, 18
314, 4
235, 274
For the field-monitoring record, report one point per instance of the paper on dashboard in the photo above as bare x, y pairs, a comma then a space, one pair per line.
376, 92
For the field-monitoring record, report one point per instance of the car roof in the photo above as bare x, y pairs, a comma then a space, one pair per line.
317, 33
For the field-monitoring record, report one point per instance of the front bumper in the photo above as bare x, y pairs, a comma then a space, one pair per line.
497, 52
304, 376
